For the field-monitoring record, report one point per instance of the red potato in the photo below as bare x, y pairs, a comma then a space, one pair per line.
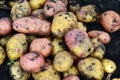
5, 26
71, 77
110, 20
32, 62
104, 37
41, 45
52, 7
32, 25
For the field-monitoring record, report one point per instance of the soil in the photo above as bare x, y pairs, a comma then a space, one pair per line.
112, 49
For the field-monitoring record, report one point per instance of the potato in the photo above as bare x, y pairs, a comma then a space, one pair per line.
104, 37
79, 43
62, 23
110, 20
17, 73
99, 49
30, 38
20, 9
41, 45
81, 26
16, 46
65, 2
87, 13
109, 65
91, 68
71, 71
32, 25
58, 45
52, 7
116, 79
32, 62
36, 4
47, 73
62, 61
71, 77
5, 26
39, 13
2, 55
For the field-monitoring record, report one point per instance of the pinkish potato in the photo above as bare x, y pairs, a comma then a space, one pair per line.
110, 20
41, 45
79, 43
5, 26
32, 25
32, 62
71, 77
52, 7
104, 37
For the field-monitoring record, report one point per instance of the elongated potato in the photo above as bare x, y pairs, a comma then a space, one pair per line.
5, 26
32, 25
62, 23
20, 9
17, 73
62, 61
79, 43
41, 45
16, 46
2, 55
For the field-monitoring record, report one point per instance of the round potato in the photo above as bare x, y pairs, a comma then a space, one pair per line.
2, 55
62, 61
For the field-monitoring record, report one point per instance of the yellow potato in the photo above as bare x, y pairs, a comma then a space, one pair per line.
81, 26
2, 55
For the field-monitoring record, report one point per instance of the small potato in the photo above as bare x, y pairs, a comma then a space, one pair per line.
36, 4
91, 68
2, 55
5, 26
79, 43
41, 45
104, 37
20, 9
32, 25
17, 73
62, 23
52, 7
87, 13
71, 77
109, 65
81, 26
32, 62
16, 46
39, 13
62, 61
99, 49
71, 71
110, 20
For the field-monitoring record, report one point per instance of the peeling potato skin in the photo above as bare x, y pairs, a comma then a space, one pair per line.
32, 25
110, 20
103, 36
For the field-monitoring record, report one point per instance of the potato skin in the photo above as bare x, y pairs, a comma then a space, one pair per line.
104, 37
71, 77
110, 20
42, 46
62, 61
20, 9
32, 62
5, 26
52, 7
62, 23
79, 43
17, 73
32, 25
16, 46
2, 55
81, 26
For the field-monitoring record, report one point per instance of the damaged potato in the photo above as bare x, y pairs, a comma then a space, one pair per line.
2, 55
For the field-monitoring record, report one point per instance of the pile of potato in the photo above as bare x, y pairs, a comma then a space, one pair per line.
45, 39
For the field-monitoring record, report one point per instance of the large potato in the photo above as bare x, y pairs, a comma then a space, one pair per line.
91, 68
16, 46
62, 23
17, 73
20, 9
2, 55
62, 61
32, 25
